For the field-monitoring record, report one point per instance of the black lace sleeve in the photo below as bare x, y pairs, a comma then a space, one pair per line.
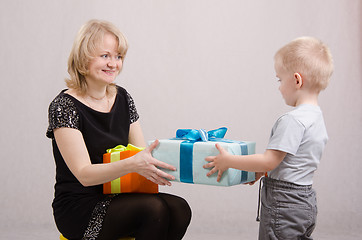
62, 113
132, 109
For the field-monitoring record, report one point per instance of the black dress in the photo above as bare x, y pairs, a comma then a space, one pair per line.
78, 210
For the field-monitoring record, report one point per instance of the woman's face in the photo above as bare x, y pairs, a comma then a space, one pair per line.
107, 63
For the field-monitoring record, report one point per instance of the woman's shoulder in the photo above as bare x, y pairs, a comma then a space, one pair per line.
62, 113
121, 90
62, 99
69, 98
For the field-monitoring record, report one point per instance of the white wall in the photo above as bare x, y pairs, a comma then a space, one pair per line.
191, 64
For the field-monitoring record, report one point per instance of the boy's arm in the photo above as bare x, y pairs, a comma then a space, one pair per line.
265, 162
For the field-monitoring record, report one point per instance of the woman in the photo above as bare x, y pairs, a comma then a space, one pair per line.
92, 115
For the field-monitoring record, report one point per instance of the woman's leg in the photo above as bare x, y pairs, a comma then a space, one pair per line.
145, 216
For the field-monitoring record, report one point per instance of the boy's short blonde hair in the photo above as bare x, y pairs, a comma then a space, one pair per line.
84, 48
309, 57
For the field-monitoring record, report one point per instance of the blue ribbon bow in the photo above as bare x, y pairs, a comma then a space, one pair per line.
200, 134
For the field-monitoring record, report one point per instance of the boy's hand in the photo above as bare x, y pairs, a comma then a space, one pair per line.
258, 175
217, 163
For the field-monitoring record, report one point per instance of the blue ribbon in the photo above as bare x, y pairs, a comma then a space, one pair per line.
196, 135
186, 152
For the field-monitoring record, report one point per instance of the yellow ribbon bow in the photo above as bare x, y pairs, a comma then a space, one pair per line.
121, 148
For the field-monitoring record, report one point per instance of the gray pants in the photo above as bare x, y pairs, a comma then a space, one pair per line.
288, 211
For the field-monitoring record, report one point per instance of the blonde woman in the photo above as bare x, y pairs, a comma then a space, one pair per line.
94, 114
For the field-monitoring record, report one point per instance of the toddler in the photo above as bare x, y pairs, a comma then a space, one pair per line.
289, 208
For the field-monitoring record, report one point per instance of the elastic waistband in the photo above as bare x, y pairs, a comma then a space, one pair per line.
280, 185
274, 183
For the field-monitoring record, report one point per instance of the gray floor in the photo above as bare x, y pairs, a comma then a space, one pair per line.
50, 233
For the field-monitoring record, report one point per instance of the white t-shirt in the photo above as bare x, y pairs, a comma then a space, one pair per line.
302, 134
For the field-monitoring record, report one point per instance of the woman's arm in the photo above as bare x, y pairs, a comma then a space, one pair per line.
75, 154
135, 136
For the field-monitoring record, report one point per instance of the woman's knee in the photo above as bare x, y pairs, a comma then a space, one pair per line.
157, 210
178, 207
185, 209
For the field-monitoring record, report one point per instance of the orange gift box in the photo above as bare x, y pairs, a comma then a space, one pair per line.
131, 182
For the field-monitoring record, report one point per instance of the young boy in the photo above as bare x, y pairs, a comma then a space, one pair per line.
289, 209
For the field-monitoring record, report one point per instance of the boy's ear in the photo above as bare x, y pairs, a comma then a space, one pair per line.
298, 80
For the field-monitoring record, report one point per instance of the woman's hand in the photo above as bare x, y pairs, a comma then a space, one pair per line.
148, 166
217, 163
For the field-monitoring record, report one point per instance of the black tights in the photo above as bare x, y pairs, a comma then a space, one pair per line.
146, 217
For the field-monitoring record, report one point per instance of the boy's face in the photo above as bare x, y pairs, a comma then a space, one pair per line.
287, 84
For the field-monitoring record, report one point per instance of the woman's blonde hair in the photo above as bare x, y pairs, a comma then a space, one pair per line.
84, 48
309, 57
